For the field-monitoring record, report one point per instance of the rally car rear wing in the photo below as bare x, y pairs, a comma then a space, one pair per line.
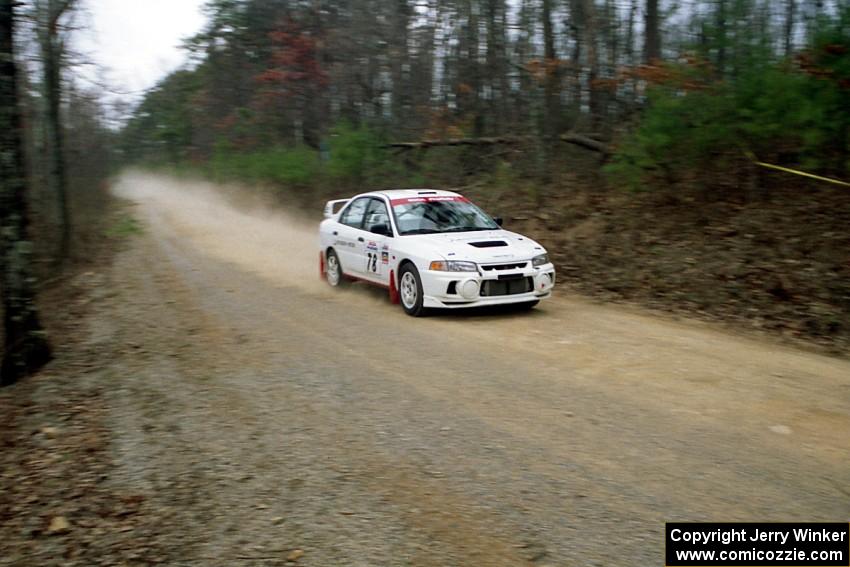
333, 207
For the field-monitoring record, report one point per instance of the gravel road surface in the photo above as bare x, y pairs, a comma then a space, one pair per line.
275, 419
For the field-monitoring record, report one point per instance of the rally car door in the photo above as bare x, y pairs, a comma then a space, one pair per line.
375, 251
349, 237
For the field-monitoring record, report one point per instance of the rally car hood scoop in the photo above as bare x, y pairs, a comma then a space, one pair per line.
497, 246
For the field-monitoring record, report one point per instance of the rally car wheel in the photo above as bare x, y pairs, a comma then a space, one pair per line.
333, 270
410, 290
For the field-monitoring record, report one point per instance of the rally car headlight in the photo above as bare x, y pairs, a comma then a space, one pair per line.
453, 266
540, 260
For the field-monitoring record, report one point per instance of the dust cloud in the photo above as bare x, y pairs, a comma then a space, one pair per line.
229, 223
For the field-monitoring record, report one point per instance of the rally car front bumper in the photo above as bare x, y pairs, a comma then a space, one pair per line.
453, 290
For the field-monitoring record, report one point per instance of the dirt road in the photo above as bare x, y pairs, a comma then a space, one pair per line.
271, 415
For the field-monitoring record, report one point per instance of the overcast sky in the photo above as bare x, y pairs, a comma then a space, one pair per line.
135, 43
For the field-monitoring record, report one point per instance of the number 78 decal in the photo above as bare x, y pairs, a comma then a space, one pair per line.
372, 262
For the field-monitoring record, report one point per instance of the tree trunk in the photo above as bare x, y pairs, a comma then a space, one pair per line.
612, 40
584, 140
720, 24
523, 100
790, 8
612, 25
399, 57
630, 34
551, 116
652, 47
424, 89
493, 67
474, 68
51, 51
25, 347
577, 30
591, 38
553, 74
504, 74
630, 52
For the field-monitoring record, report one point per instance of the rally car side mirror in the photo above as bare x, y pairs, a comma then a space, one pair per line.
383, 229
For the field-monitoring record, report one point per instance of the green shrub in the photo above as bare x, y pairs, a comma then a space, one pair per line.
793, 113
298, 166
356, 154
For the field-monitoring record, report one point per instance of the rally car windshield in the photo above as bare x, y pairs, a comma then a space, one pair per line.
439, 214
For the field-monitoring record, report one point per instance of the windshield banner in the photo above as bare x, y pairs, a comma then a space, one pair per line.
410, 200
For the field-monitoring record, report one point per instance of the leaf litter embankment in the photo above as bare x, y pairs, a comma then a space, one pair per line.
776, 264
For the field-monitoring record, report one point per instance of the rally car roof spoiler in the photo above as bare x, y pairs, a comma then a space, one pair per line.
333, 207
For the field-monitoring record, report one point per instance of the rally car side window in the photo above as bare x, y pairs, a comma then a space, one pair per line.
353, 215
377, 214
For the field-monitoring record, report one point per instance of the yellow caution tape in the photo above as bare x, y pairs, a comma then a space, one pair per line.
795, 171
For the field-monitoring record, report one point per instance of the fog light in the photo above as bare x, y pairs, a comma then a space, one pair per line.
469, 289
544, 281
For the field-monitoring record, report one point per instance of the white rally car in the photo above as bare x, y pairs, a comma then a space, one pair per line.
431, 249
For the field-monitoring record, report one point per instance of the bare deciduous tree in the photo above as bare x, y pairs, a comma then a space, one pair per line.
652, 37
52, 44
790, 9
